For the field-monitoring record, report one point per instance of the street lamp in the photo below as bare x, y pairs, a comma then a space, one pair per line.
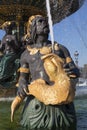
76, 54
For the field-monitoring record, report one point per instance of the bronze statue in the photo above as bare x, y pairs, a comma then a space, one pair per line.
10, 52
48, 81
9, 42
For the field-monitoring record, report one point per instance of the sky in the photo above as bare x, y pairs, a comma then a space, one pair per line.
72, 33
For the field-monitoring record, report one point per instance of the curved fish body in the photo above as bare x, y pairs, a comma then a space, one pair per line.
15, 105
62, 91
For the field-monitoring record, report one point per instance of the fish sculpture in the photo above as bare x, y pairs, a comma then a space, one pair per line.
62, 91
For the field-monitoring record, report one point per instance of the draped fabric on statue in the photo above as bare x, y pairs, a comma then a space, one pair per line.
6, 65
38, 115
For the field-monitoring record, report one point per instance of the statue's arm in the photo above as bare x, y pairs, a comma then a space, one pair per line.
2, 44
70, 67
23, 78
15, 41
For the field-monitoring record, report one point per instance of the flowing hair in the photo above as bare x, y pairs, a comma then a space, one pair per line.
31, 28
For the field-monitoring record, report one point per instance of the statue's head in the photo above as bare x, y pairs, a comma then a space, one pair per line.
37, 25
8, 26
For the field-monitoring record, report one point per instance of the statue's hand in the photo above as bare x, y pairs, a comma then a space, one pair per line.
71, 70
22, 90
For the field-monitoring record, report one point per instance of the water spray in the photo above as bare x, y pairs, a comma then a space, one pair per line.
50, 23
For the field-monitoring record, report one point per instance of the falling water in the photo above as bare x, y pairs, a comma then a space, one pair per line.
50, 23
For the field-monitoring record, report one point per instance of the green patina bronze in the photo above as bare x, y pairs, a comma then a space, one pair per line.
36, 115
9, 65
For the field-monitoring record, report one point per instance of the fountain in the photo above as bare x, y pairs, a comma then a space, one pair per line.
19, 12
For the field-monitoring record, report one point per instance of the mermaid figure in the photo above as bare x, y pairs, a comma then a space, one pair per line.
9, 55
39, 75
